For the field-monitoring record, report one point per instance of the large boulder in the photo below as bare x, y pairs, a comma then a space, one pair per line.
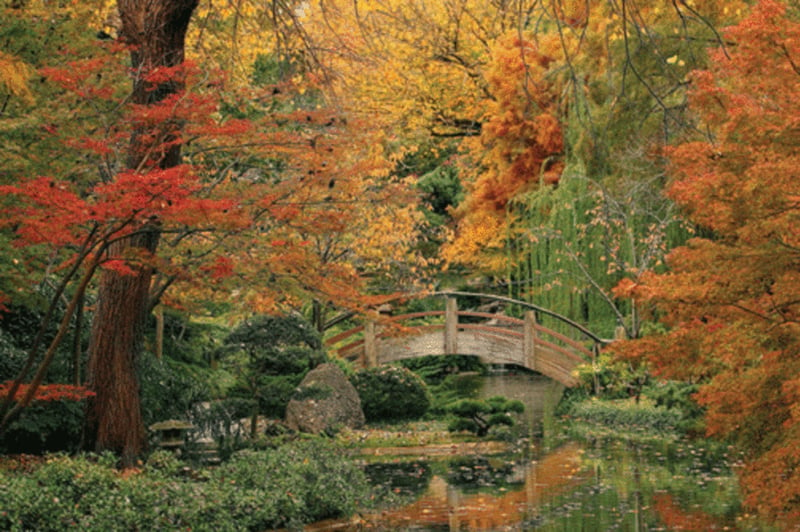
324, 402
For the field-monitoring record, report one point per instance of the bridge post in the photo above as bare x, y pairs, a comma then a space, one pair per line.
529, 340
370, 345
451, 326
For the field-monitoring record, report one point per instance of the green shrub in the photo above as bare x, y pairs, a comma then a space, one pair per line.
679, 395
627, 415
281, 488
479, 416
305, 481
391, 393
269, 356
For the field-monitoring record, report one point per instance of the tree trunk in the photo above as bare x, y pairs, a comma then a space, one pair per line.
115, 417
155, 30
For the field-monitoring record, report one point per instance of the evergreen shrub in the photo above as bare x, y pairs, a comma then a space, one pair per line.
479, 416
269, 357
391, 393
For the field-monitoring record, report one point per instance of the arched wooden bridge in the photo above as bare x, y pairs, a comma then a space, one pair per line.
494, 337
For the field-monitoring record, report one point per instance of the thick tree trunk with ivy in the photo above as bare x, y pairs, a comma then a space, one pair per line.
155, 30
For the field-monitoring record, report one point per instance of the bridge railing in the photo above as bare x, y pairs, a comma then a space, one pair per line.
361, 343
546, 317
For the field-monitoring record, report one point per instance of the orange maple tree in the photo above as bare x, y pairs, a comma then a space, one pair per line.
730, 299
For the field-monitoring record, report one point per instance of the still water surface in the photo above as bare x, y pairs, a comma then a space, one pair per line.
569, 486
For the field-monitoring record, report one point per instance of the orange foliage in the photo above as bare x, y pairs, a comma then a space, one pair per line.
731, 298
339, 216
49, 392
520, 146
676, 518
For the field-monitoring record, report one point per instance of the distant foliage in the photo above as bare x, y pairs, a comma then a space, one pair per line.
189, 340
12, 357
435, 369
169, 389
612, 378
270, 355
391, 393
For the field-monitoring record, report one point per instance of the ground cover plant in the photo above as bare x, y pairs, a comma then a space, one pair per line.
255, 490
627, 415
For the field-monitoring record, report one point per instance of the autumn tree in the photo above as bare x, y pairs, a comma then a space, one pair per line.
521, 146
568, 232
730, 298
155, 32
257, 196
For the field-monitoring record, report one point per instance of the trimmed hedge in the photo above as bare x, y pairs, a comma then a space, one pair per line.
391, 393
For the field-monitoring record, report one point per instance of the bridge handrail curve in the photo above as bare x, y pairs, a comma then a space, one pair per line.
531, 306
500, 317
485, 330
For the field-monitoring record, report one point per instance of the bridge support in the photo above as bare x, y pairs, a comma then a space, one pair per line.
451, 326
529, 340
370, 345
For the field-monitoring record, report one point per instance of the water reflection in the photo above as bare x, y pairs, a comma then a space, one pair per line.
607, 486
582, 486
483, 497
477, 494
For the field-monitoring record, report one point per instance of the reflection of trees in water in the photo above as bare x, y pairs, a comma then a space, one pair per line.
476, 472
405, 479
448, 507
611, 486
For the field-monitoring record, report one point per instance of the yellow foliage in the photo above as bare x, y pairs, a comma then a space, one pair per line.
14, 75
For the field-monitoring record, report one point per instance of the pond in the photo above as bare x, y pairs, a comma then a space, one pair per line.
576, 485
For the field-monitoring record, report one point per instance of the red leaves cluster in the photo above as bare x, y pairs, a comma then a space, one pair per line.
49, 392
283, 177
45, 211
